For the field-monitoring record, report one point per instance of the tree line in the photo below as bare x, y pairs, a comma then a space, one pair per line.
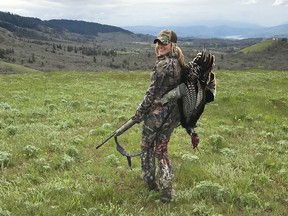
4, 52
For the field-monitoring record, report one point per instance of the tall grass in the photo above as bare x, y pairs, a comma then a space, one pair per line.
50, 124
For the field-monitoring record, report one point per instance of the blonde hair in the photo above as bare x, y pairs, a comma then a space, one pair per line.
176, 51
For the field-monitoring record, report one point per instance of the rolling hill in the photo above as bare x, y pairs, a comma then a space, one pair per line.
267, 54
16, 23
71, 45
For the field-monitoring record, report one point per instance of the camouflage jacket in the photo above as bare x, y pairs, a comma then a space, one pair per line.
165, 76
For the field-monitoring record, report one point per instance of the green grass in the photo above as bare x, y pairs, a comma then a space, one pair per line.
50, 124
258, 47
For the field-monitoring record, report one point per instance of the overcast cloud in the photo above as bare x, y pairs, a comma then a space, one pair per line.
153, 12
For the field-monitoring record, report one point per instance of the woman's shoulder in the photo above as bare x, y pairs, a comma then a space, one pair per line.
167, 66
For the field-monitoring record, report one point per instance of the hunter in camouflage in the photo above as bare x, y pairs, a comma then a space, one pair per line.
160, 118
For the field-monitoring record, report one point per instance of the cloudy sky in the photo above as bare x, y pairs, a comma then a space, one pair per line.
153, 12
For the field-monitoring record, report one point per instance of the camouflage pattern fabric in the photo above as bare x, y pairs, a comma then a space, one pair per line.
155, 139
164, 77
166, 36
156, 134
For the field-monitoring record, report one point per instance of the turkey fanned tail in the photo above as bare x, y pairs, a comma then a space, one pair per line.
195, 75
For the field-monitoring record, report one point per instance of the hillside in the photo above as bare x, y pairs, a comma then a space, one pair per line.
268, 55
67, 45
71, 45
19, 25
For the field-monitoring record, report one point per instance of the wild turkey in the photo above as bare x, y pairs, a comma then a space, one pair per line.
195, 75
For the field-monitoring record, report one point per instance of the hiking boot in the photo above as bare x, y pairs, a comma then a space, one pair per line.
167, 195
153, 187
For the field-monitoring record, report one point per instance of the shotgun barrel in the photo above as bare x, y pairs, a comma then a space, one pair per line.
118, 131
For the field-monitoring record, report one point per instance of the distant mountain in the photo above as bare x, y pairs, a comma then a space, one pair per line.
269, 32
212, 29
13, 22
82, 27
220, 31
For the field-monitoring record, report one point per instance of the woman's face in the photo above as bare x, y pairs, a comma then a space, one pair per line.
163, 49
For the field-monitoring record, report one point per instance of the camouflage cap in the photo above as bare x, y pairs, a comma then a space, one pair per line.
166, 36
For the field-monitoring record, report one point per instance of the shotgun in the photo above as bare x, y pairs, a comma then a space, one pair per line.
128, 124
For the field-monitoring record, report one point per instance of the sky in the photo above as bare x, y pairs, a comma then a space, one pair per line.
153, 12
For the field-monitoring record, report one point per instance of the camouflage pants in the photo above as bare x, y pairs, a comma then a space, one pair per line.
154, 145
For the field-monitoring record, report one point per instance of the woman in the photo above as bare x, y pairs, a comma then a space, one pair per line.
160, 120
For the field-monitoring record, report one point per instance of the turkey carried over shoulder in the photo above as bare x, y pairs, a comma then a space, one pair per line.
196, 75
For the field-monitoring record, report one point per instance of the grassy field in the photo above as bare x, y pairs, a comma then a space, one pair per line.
51, 122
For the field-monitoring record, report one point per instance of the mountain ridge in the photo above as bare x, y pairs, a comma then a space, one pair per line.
219, 31
212, 29
11, 22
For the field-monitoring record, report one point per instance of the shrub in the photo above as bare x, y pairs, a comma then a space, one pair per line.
31, 151
5, 106
228, 152
38, 113
4, 212
207, 189
76, 140
285, 128
75, 104
73, 152
190, 157
103, 130
64, 124
2, 125
52, 107
106, 126
113, 160
42, 165
201, 209
47, 102
5, 159
102, 108
67, 162
248, 200
217, 142
11, 130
